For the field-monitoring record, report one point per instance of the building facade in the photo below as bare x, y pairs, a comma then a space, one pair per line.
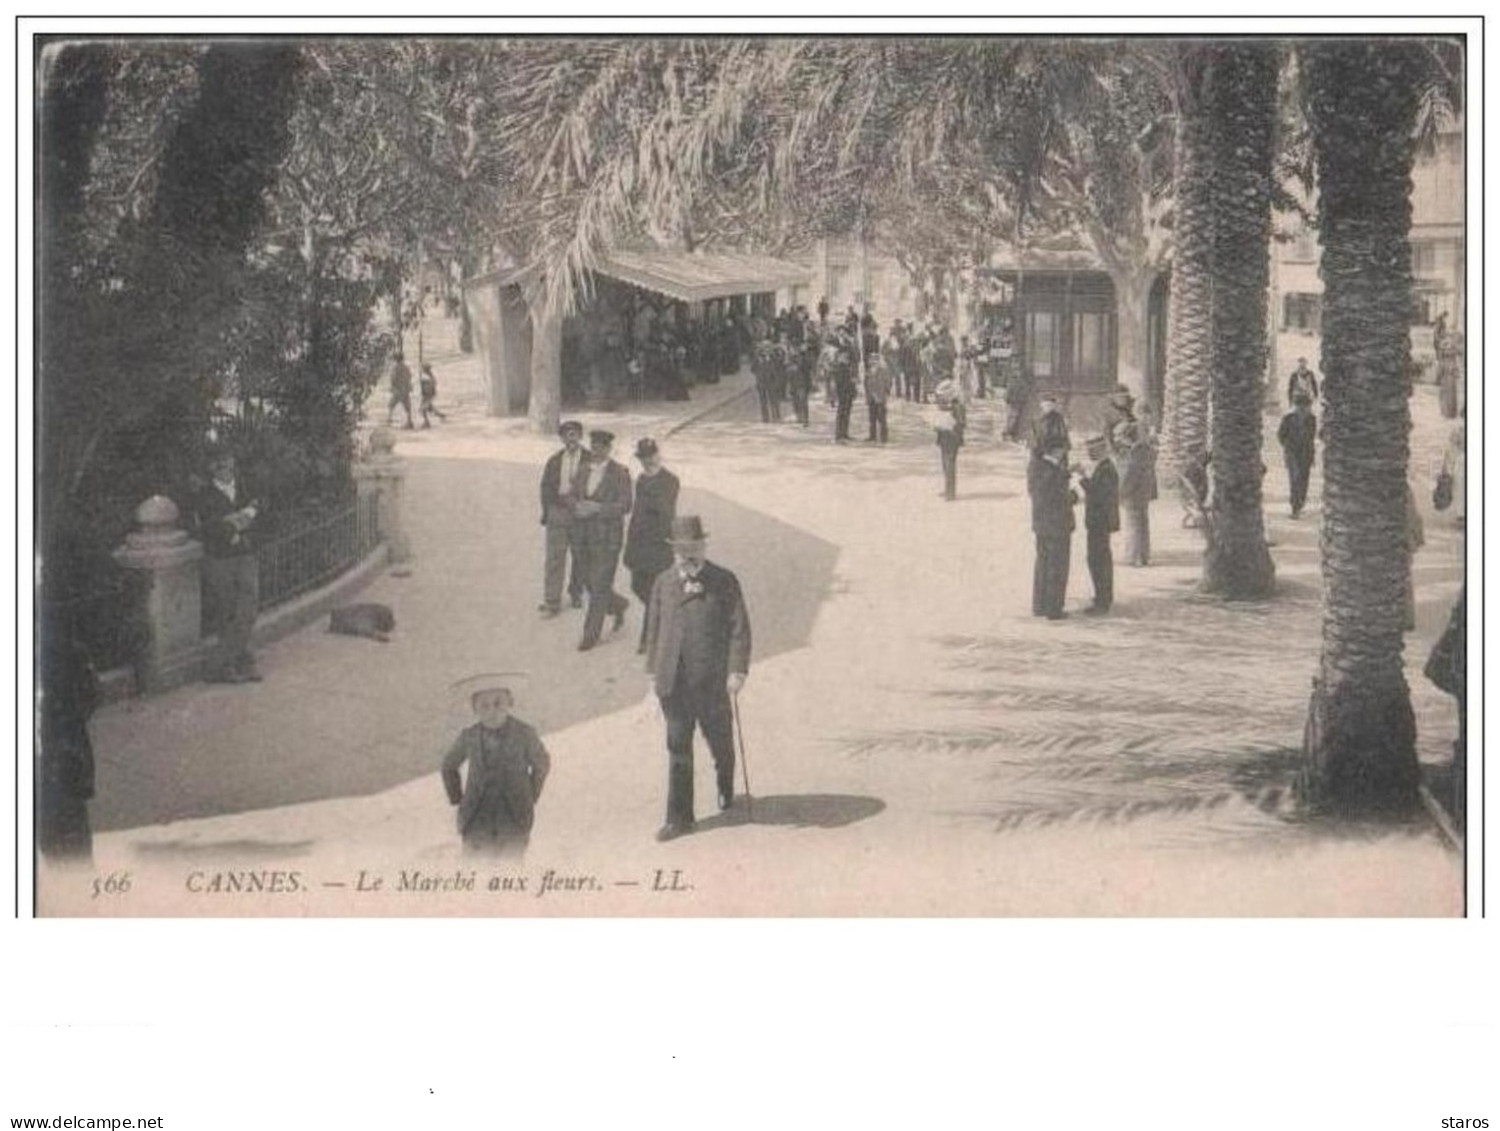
1437, 261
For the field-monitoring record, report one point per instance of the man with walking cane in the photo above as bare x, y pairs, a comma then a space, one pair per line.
698, 654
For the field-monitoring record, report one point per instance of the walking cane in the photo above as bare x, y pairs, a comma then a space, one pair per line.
739, 731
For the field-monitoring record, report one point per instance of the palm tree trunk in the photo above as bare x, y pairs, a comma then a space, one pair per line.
545, 403
1242, 104
1363, 99
1190, 312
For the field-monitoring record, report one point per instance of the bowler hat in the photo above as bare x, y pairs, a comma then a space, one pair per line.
687, 528
646, 447
599, 436
572, 426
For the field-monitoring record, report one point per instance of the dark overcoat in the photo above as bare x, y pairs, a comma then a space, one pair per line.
720, 643
651, 517
1051, 498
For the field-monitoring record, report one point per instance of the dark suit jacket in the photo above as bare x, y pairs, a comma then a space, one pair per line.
605, 532
208, 515
510, 777
725, 645
1101, 498
651, 522
554, 507
1051, 499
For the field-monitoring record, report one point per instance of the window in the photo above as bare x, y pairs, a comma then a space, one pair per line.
1091, 345
838, 286
1424, 259
1042, 342
1302, 313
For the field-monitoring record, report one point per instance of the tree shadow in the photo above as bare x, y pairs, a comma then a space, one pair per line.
798, 811
238, 851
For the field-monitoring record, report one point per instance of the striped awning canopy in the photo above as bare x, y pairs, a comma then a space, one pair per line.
682, 275
698, 276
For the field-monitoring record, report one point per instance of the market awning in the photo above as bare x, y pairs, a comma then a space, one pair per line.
687, 276
696, 277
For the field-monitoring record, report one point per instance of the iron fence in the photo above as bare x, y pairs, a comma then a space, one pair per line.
310, 553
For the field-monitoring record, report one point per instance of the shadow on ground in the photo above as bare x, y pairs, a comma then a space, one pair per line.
799, 811
337, 717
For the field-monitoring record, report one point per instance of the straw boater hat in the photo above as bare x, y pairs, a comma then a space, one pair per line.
572, 426
599, 436
645, 447
1096, 445
686, 530
472, 685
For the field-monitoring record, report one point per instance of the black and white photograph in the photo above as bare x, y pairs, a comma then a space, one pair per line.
785, 569
742, 475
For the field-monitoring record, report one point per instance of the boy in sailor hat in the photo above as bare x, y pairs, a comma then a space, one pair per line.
507, 767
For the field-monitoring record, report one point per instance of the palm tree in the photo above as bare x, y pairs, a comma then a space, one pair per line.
1190, 312
1225, 96
1363, 101
1241, 100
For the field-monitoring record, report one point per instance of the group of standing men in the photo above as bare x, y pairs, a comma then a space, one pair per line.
1118, 477
793, 355
695, 629
586, 496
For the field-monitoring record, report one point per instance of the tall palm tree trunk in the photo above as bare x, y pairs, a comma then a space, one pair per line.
1241, 97
1361, 734
1190, 313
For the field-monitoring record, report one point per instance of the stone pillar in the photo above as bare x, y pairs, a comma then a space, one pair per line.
173, 612
382, 472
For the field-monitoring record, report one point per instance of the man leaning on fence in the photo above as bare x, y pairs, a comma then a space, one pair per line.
224, 515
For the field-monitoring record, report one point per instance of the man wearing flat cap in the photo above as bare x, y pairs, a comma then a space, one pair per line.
698, 654
600, 517
563, 479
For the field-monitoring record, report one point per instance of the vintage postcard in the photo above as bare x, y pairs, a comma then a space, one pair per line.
500, 475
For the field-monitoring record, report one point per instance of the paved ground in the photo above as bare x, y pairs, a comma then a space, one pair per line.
918, 743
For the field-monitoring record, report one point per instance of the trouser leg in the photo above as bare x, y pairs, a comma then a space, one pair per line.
1299, 473
883, 420
642, 581
1101, 568
559, 541
1137, 533
603, 599
1052, 562
680, 723
578, 563
231, 594
845, 410
950, 472
1061, 564
716, 717
1039, 579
